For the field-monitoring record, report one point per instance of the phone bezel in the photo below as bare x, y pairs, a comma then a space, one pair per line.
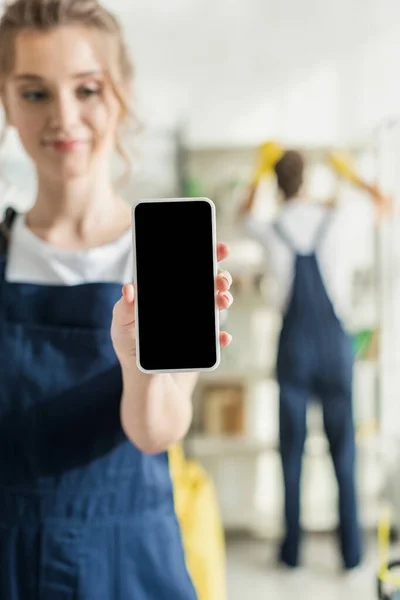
215, 270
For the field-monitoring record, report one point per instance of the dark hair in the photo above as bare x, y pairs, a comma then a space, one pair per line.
289, 172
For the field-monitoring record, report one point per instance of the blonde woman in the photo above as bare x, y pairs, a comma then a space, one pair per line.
86, 503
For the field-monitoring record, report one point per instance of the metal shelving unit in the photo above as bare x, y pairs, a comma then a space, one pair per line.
246, 466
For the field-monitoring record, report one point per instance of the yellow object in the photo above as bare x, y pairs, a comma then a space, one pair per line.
342, 164
202, 531
383, 543
270, 153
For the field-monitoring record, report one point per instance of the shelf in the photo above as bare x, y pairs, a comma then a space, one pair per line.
225, 375
267, 525
228, 376
316, 445
223, 146
204, 445
260, 524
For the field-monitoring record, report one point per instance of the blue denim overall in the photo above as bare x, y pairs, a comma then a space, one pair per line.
315, 358
84, 515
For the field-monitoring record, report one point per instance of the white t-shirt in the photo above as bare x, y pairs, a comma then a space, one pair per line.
32, 260
300, 221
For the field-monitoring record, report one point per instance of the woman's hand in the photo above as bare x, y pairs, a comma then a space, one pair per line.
123, 330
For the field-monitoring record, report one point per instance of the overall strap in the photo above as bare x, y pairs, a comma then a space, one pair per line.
321, 230
284, 236
320, 233
5, 229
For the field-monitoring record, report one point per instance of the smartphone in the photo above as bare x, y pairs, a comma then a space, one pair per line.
175, 268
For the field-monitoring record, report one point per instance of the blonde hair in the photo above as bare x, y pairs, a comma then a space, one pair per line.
44, 15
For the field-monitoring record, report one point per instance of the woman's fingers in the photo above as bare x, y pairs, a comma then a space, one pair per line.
225, 339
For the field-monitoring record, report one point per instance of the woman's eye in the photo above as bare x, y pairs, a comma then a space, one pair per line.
87, 92
35, 95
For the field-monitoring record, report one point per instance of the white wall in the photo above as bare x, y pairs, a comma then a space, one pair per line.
242, 70
370, 82
239, 71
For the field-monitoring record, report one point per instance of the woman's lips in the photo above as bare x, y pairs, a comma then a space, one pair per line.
65, 145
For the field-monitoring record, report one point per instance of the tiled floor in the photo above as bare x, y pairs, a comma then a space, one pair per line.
252, 574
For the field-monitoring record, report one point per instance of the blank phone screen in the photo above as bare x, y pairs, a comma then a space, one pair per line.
175, 262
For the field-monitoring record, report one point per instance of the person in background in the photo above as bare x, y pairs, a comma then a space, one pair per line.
312, 269
86, 500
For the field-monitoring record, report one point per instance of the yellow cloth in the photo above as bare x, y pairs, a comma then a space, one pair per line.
270, 153
202, 531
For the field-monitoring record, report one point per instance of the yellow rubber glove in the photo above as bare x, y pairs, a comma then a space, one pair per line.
342, 164
269, 154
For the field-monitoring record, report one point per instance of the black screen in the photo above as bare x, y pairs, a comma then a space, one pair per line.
175, 284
